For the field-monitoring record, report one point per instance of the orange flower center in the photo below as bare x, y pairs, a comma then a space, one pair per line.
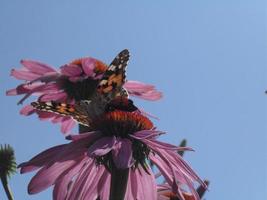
121, 123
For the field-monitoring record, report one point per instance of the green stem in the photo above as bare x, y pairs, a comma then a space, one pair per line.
119, 179
6, 187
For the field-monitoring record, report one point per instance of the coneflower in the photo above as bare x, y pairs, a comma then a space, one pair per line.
124, 141
74, 81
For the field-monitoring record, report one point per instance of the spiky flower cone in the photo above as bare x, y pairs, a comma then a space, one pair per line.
7, 167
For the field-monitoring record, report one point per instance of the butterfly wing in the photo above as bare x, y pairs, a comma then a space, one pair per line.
111, 84
78, 111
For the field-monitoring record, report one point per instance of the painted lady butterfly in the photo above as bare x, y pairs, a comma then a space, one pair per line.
110, 95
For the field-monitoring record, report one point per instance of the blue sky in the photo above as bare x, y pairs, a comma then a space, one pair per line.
208, 57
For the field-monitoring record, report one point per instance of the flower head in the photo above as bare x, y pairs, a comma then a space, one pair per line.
124, 140
7, 160
75, 81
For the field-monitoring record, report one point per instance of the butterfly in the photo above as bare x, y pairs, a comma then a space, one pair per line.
110, 95
111, 84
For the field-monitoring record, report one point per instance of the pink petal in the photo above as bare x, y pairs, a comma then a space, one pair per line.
179, 161
71, 70
142, 90
67, 125
34, 90
163, 167
88, 65
138, 86
153, 144
148, 114
141, 185
62, 184
76, 187
89, 136
27, 110
48, 175
86, 181
48, 87
132, 187
150, 95
146, 134
122, 154
23, 75
146, 183
47, 115
11, 92
55, 117
102, 146
41, 159
103, 186
37, 67
23, 88
171, 165
92, 192
47, 77
59, 96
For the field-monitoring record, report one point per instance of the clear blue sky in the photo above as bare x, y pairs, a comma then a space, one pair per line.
208, 57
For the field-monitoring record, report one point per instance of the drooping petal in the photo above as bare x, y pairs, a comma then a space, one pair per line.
146, 184
132, 187
34, 90
103, 186
12, 92
27, 110
143, 112
77, 188
142, 90
152, 143
23, 89
24, 75
62, 183
48, 175
102, 146
92, 192
146, 134
47, 77
67, 125
122, 154
171, 165
41, 159
163, 167
37, 67
177, 160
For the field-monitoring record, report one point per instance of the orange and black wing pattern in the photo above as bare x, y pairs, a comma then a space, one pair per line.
75, 111
111, 84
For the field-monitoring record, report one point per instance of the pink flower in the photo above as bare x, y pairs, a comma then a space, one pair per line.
72, 82
165, 192
123, 140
